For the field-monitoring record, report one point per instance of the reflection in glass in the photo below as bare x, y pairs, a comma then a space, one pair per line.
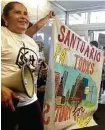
97, 17
78, 18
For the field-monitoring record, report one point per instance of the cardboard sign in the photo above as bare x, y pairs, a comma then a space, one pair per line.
73, 83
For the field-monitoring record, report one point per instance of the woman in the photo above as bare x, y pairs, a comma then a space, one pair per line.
27, 114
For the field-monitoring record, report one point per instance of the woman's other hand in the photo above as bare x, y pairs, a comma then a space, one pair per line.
7, 97
44, 69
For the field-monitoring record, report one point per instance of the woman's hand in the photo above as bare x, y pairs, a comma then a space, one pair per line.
51, 14
42, 88
44, 69
7, 96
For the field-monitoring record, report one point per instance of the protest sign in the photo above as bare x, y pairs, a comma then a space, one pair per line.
73, 82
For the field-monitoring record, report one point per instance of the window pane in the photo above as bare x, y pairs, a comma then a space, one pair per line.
97, 17
96, 34
78, 18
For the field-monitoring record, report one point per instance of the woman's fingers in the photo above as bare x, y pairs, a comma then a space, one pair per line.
5, 104
44, 71
14, 96
7, 98
11, 106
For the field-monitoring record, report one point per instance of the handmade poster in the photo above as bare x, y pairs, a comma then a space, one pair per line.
73, 82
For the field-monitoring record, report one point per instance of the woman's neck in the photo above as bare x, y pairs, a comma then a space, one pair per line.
16, 31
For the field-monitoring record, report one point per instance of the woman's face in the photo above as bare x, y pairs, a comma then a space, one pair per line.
18, 19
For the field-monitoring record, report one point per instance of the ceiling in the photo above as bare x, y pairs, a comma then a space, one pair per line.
73, 6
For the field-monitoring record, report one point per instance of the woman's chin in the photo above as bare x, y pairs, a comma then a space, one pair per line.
23, 27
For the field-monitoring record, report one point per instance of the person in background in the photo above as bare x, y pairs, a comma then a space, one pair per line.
27, 113
42, 75
94, 43
103, 74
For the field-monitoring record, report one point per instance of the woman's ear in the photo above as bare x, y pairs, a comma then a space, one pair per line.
4, 19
